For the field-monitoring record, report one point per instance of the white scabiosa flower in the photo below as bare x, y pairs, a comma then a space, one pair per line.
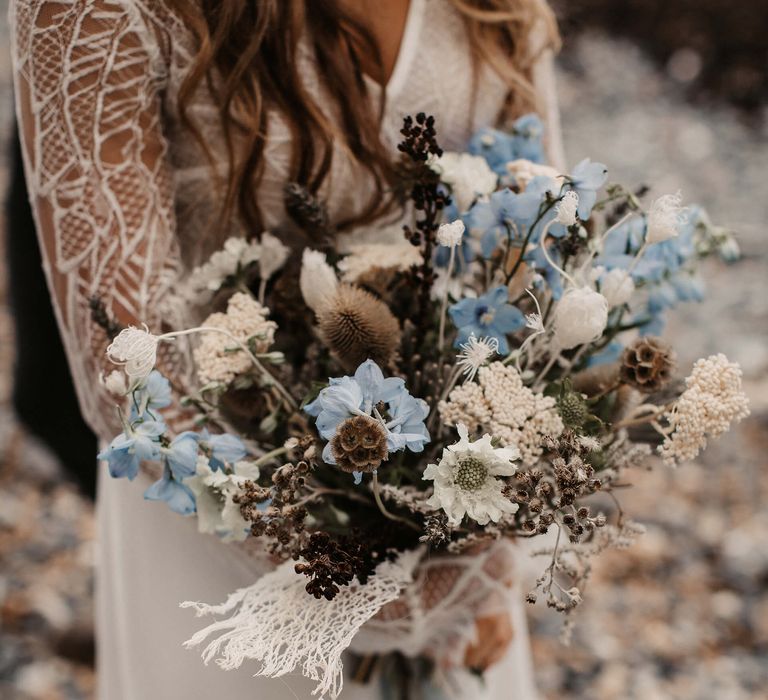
135, 349
580, 317
468, 177
617, 287
466, 480
474, 354
363, 257
317, 280
567, 209
273, 255
664, 218
450, 235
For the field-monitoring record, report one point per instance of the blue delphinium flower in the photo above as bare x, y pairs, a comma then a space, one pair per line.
181, 455
538, 261
224, 449
506, 213
586, 179
361, 394
153, 394
178, 496
136, 444
500, 148
488, 316
610, 353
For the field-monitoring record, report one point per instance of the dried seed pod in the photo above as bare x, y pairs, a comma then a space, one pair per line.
360, 445
357, 326
647, 364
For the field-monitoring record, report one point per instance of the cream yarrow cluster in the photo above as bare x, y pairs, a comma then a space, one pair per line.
712, 400
501, 404
218, 358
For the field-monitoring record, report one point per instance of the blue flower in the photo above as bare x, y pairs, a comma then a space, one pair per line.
538, 261
361, 394
586, 179
505, 213
499, 147
610, 353
178, 496
136, 444
181, 455
487, 316
153, 394
225, 449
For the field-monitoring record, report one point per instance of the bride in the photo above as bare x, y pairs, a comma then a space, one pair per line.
153, 130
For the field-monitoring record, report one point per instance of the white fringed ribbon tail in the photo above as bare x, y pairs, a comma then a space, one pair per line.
277, 623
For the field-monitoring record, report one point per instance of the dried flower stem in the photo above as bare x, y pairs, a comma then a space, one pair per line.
383, 508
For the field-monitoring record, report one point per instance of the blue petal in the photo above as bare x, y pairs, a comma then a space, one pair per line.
123, 462
181, 455
462, 313
358, 477
179, 497
226, 448
508, 319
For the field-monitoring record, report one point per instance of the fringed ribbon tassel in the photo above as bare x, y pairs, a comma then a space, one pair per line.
277, 623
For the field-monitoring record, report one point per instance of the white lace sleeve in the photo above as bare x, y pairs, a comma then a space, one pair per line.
89, 76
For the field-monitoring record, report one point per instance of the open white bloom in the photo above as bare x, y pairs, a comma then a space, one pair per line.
617, 287
567, 209
664, 218
317, 280
235, 253
450, 235
217, 358
364, 257
114, 383
217, 513
136, 350
474, 354
468, 177
712, 400
273, 255
523, 171
581, 316
466, 482
534, 322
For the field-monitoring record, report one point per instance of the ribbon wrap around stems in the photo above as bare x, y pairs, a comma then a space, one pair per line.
413, 605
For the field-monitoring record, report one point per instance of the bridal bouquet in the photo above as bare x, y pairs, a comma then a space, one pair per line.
386, 421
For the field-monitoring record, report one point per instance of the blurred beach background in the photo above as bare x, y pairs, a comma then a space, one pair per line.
669, 93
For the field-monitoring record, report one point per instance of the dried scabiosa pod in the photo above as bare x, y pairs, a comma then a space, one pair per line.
360, 445
647, 364
357, 327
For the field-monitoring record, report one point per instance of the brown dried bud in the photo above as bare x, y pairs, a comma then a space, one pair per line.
647, 364
360, 444
357, 326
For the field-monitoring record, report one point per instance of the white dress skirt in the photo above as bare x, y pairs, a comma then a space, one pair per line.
149, 560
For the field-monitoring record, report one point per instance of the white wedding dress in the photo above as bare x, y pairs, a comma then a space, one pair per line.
120, 192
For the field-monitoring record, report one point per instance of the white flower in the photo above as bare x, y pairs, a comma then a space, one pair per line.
114, 383
366, 256
273, 255
317, 280
475, 353
664, 218
523, 171
466, 482
580, 317
136, 350
567, 208
450, 235
236, 253
468, 177
712, 400
534, 322
617, 287
217, 513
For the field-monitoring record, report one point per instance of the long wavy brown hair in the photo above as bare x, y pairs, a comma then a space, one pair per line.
246, 58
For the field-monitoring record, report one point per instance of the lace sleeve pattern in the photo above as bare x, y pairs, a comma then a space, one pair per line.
89, 79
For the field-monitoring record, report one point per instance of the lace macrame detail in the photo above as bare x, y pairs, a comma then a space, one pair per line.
276, 623
122, 194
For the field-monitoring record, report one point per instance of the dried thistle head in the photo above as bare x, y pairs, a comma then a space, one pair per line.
647, 364
360, 445
357, 326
